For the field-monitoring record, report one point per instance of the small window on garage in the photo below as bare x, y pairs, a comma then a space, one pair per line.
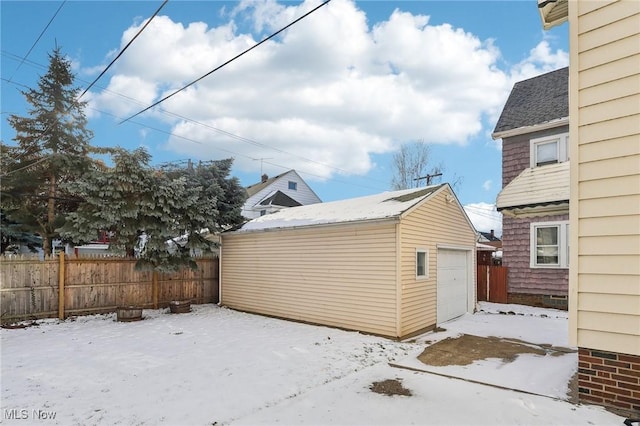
422, 263
293, 185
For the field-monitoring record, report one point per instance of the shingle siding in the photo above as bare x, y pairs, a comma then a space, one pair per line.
516, 150
516, 256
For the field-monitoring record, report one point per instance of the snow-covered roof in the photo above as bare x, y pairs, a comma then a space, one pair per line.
386, 205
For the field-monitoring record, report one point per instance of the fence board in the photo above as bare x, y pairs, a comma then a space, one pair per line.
497, 283
29, 287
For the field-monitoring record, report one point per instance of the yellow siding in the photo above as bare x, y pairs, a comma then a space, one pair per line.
433, 223
342, 276
605, 175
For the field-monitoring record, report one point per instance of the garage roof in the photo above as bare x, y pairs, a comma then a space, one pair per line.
386, 205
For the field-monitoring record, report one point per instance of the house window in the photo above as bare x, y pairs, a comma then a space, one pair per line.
549, 150
293, 186
550, 245
422, 263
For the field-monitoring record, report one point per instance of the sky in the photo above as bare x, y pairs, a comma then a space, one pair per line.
219, 366
334, 96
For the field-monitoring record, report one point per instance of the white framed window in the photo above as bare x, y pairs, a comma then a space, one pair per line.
549, 150
293, 185
422, 264
550, 244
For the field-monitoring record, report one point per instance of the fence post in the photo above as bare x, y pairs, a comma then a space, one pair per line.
154, 283
61, 286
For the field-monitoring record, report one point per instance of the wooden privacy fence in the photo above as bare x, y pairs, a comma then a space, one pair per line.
63, 286
492, 283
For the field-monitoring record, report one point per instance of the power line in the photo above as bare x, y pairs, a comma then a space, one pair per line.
125, 48
228, 62
37, 40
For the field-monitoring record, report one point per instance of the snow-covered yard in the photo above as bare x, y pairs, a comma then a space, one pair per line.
219, 366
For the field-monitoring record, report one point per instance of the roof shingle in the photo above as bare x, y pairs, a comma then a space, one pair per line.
535, 101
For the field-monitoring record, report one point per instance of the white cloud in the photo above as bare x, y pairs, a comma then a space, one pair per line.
329, 91
484, 217
487, 185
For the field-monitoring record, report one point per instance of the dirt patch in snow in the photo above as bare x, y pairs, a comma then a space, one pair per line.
466, 349
390, 387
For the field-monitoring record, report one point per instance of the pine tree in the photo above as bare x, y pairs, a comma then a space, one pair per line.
172, 207
53, 148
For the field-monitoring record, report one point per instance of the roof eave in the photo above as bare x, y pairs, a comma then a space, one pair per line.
391, 219
564, 121
553, 12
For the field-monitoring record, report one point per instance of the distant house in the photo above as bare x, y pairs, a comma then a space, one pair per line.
604, 278
489, 248
393, 264
279, 192
534, 201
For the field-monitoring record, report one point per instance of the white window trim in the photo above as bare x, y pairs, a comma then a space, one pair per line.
426, 264
563, 147
292, 183
563, 245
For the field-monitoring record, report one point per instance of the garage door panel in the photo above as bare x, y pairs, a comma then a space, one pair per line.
452, 284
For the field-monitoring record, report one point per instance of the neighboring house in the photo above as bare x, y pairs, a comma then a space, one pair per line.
393, 264
534, 201
604, 278
273, 194
489, 249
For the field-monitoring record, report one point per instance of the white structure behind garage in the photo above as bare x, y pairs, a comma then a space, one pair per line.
356, 264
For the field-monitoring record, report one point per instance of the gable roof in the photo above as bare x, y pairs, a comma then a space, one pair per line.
279, 198
387, 205
535, 188
538, 100
257, 187
489, 236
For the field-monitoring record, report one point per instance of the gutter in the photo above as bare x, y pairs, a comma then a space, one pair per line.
564, 121
390, 219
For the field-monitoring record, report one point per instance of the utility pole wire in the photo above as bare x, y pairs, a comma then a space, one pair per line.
37, 40
125, 48
226, 63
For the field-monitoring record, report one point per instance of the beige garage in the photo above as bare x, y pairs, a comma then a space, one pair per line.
393, 264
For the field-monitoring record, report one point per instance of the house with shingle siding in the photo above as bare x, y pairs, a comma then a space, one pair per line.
534, 200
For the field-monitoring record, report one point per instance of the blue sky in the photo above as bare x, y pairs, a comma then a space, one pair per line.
332, 97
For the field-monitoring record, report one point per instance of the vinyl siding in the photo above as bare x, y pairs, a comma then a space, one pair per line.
605, 132
338, 275
432, 223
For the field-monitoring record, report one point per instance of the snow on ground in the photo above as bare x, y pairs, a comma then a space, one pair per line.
219, 366
543, 375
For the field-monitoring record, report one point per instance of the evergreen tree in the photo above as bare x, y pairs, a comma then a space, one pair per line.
53, 148
171, 207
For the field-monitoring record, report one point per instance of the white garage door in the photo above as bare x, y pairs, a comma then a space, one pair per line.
453, 284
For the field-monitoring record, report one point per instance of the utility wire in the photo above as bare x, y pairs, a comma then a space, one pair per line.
228, 62
38, 39
125, 48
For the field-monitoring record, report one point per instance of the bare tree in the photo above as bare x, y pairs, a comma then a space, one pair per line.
413, 168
